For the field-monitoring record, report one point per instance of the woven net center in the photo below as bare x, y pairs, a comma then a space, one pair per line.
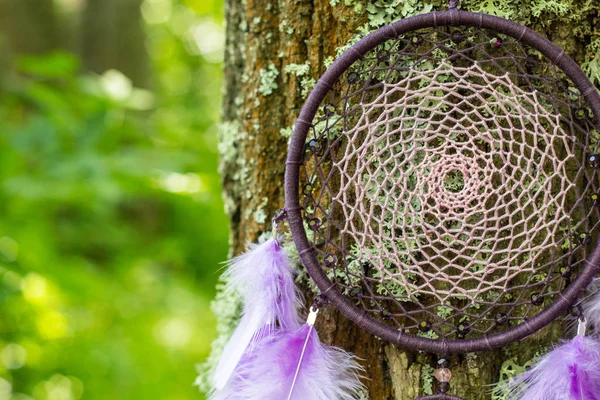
472, 175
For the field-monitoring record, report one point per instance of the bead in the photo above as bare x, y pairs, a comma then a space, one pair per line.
386, 314
443, 363
416, 40
596, 199
353, 77
457, 36
330, 260
496, 42
463, 328
280, 216
443, 387
314, 145
562, 84
320, 301
531, 61
566, 271
585, 239
443, 375
594, 160
314, 223
383, 56
537, 299
575, 311
329, 109
581, 113
501, 319
424, 326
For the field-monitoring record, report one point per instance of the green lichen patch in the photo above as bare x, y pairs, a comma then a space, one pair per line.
298, 69
268, 80
260, 215
592, 64
427, 372
227, 147
284, 27
287, 132
302, 71
307, 85
508, 371
382, 12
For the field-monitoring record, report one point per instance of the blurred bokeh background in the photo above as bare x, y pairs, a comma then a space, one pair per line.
111, 220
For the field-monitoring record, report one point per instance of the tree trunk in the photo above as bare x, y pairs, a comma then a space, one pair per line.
112, 37
26, 27
262, 100
29, 25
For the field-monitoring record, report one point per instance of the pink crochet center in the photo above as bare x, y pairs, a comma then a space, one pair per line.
462, 156
447, 183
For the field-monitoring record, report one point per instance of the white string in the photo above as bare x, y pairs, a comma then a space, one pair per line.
310, 321
581, 327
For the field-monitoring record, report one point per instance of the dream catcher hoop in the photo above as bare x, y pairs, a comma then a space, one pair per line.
442, 190
423, 165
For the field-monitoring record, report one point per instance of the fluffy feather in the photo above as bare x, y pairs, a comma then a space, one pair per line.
265, 280
569, 372
324, 372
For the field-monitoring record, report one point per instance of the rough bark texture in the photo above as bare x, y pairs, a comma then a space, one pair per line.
260, 105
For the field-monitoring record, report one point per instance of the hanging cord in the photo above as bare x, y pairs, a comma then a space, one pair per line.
453, 4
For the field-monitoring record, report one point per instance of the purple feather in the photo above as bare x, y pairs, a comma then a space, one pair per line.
569, 372
265, 280
294, 366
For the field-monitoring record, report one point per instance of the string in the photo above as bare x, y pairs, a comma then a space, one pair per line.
581, 327
310, 321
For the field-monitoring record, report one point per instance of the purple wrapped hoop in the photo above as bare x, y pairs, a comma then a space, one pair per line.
358, 297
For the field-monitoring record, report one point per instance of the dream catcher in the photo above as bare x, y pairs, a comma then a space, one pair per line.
442, 190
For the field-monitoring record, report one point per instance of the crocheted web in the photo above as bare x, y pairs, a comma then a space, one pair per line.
449, 183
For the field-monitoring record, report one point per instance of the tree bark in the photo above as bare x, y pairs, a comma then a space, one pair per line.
260, 106
29, 26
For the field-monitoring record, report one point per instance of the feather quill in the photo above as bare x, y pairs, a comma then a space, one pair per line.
264, 278
569, 372
294, 365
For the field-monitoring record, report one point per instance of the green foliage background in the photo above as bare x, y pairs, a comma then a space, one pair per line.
111, 219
